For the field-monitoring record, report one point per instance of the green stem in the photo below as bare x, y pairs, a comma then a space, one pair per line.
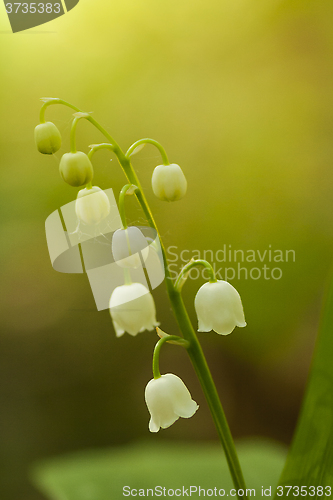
127, 277
204, 375
156, 355
182, 277
73, 135
52, 101
88, 117
194, 350
122, 195
154, 143
98, 147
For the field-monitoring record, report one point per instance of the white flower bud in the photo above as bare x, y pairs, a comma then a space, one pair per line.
219, 307
47, 138
168, 399
132, 309
92, 205
169, 182
127, 245
76, 169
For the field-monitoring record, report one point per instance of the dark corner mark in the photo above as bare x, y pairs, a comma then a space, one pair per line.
70, 4
26, 15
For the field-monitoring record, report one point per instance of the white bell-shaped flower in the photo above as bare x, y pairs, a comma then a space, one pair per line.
128, 246
167, 399
92, 205
132, 309
169, 182
219, 307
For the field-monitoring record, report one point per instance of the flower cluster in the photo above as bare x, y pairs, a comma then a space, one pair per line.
217, 303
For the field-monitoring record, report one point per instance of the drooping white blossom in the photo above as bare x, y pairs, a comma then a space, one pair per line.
219, 307
92, 205
132, 309
167, 399
129, 246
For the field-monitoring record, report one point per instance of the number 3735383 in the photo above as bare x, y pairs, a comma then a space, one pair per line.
33, 8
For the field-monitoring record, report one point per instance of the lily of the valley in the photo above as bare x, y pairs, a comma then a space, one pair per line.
76, 169
92, 205
167, 399
219, 307
132, 309
47, 138
169, 182
127, 247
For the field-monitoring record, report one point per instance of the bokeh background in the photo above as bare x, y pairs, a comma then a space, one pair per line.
240, 94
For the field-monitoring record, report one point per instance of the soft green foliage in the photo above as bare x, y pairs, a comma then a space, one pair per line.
310, 461
101, 475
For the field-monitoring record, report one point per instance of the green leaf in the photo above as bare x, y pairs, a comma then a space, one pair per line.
102, 474
310, 459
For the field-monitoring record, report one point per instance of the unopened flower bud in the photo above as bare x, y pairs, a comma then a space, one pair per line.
76, 169
132, 309
128, 246
169, 182
92, 205
219, 307
167, 399
47, 138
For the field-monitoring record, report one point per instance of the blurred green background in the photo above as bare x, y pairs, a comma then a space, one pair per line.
240, 94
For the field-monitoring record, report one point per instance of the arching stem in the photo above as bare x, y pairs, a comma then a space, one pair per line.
128, 189
183, 275
149, 141
157, 350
